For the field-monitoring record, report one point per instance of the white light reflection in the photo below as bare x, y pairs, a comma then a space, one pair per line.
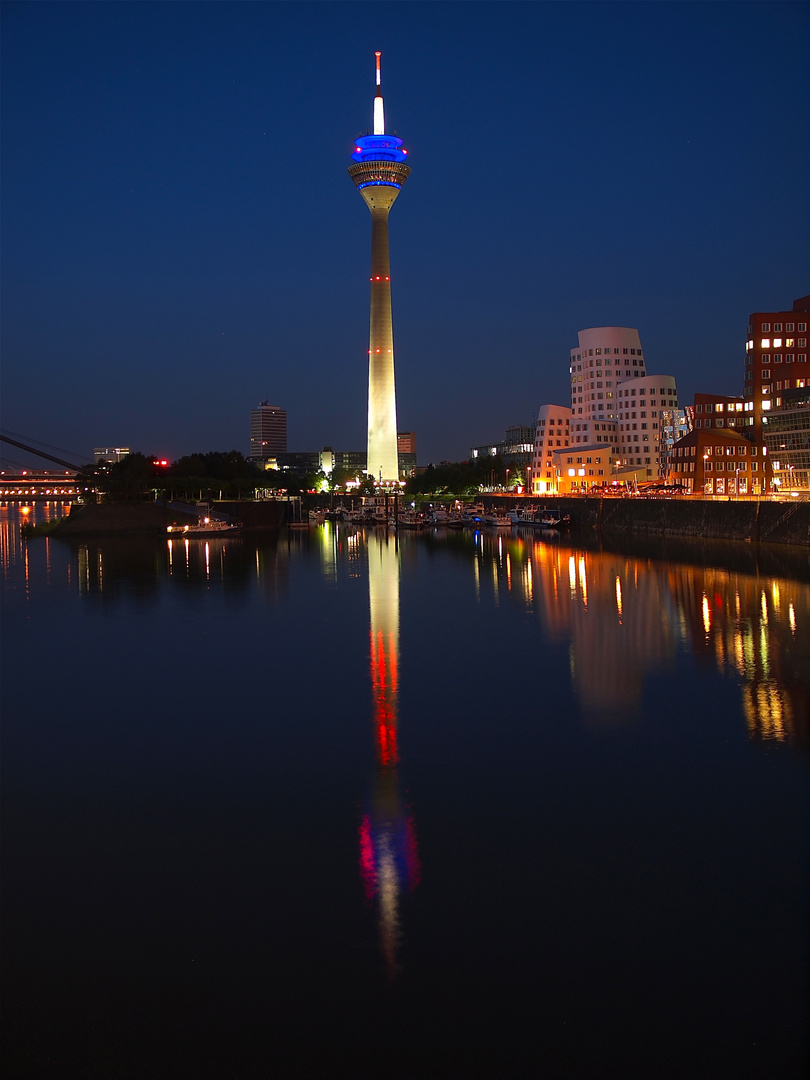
583, 580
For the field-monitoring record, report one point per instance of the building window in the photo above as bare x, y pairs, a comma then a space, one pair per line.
777, 328
765, 343
766, 328
766, 374
788, 357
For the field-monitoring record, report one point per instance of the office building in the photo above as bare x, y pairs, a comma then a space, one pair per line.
786, 431
268, 432
379, 173
775, 360
110, 453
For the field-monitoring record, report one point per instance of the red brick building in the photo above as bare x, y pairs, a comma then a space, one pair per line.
775, 360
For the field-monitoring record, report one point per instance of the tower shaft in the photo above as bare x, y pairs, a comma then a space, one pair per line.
382, 403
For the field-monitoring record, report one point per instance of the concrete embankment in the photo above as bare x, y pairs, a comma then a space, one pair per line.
700, 519
770, 522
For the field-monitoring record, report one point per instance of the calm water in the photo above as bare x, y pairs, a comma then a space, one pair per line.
470, 805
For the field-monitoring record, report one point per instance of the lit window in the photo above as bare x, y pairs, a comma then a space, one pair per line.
766, 343
777, 342
766, 405
788, 342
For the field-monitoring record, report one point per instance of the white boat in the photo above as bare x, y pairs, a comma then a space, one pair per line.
523, 516
204, 528
498, 520
317, 517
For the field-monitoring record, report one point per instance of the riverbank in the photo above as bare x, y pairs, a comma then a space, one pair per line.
152, 519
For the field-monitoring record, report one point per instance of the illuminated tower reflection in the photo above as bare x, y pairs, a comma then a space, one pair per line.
388, 856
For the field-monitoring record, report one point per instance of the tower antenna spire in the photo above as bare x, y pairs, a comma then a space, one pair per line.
379, 112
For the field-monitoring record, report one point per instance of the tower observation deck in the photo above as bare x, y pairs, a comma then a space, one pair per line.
379, 171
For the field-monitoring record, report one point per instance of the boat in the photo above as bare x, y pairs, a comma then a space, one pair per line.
553, 519
317, 517
410, 519
498, 520
205, 528
527, 515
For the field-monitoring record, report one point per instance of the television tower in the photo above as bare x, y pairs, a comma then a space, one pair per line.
379, 172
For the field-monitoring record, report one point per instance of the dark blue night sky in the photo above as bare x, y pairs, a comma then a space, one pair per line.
180, 238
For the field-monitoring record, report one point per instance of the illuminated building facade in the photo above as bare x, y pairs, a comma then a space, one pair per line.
268, 432
616, 404
109, 453
786, 431
379, 171
775, 360
717, 462
552, 433
646, 410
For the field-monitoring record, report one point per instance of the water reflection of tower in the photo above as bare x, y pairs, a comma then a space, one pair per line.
388, 856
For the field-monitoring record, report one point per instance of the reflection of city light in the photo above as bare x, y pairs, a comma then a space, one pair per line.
739, 662
583, 581
529, 581
776, 596
618, 596
572, 576
792, 617
764, 607
707, 618
767, 711
508, 572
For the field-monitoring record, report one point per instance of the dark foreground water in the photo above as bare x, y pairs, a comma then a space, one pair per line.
466, 806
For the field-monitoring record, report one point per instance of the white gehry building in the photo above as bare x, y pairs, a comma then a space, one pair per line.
615, 403
552, 433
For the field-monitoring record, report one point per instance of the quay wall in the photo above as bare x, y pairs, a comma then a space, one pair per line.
701, 519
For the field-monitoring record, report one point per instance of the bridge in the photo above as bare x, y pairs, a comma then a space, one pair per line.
30, 484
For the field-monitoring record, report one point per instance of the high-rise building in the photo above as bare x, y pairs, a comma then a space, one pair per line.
775, 360
379, 173
786, 431
268, 432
